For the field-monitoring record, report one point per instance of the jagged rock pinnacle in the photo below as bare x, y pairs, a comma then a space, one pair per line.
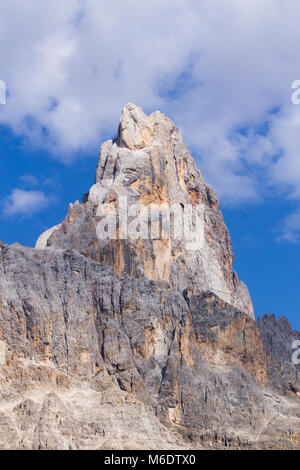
148, 164
135, 129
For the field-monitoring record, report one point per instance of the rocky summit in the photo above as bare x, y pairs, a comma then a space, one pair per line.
114, 340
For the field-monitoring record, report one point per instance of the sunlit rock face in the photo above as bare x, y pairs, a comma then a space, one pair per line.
149, 166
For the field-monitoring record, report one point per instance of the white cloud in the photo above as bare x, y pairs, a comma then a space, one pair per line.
215, 67
21, 202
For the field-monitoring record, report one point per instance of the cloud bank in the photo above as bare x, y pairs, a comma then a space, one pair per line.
221, 69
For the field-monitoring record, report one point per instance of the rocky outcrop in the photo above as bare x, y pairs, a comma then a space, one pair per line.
130, 344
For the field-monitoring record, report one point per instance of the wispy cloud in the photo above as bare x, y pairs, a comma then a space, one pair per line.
29, 180
25, 203
289, 228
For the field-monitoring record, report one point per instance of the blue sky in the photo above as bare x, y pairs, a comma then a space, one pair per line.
222, 70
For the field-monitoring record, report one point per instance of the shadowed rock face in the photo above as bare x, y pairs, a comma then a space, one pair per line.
92, 360
278, 338
100, 349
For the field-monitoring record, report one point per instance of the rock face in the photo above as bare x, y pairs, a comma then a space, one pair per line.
278, 339
129, 344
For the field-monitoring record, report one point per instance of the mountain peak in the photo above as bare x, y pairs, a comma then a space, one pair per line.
185, 241
137, 130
